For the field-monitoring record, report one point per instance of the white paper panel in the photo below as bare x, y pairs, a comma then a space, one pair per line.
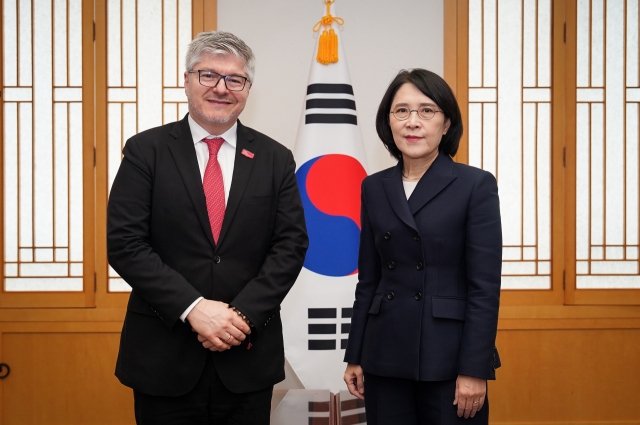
608, 282
544, 181
583, 43
61, 175
43, 255
67, 94
25, 42
597, 42
633, 95
118, 285
25, 177
43, 269
10, 42
590, 95
633, 50
11, 270
40, 284
544, 43
131, 29
121, 95
519, 268
490, 45
632, 173
530, 43
18, 94
10, 193
482, 95
475, 134
60, 43
169, 47
114, 44
632, 253
475, 43
536, 95
489, 138
75, 42
526, 282
511, 253
175, 95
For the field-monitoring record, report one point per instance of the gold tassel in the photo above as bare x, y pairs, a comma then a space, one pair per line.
328, 43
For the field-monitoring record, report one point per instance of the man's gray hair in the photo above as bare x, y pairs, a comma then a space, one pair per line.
220, 42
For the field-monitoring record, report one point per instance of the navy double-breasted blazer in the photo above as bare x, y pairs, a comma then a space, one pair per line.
429, 267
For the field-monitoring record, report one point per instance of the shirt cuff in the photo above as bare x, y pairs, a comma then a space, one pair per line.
184, 315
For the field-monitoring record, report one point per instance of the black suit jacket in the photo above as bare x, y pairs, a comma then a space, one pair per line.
159, 240
427, 299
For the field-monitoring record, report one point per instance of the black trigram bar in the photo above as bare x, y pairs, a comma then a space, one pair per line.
330, 119
347, 312
343, 344
322, 329
358, 418
319, 406
323, 313
322, 344
345, 328
356, 403
329, 88
331, 104
319, 421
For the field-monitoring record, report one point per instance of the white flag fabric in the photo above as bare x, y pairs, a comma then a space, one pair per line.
331, 166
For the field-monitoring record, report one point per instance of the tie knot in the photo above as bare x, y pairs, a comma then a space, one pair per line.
214, 145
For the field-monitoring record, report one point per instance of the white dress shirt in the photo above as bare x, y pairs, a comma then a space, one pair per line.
226, 158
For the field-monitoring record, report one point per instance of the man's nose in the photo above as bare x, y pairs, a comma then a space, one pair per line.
220, 86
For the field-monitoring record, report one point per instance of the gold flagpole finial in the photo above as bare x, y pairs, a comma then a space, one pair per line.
328, 47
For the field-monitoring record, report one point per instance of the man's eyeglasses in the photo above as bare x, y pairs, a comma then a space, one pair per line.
425, 112
211, 79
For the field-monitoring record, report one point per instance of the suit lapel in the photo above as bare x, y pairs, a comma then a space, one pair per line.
437, 177
241, 172
184, 155
392, 184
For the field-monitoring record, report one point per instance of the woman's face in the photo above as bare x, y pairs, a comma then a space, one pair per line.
416, 137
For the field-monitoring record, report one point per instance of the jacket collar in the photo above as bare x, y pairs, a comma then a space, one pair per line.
438, 176
184, 155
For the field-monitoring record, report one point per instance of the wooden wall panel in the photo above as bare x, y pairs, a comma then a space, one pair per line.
63, 378
567, 376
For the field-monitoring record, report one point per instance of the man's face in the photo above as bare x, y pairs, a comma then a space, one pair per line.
216, 109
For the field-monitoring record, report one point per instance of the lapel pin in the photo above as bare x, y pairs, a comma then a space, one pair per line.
247, 153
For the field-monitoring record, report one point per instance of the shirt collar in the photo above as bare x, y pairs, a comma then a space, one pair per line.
198, 133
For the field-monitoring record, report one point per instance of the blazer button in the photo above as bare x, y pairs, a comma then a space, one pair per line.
391, 264
216, 259
418, 296
419, 266
390, 295
416, 237
387, 236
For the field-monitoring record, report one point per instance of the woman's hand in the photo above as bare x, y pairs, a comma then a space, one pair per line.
354, 379
470, 394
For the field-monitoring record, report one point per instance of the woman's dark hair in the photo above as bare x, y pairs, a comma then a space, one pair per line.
432, 86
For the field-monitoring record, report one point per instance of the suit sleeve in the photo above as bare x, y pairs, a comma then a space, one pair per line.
483, 264
368, 280
128, 235
262, 296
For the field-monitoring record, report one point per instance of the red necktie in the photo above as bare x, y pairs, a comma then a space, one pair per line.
213, 185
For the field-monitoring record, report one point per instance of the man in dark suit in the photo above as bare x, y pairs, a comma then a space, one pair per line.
206, 224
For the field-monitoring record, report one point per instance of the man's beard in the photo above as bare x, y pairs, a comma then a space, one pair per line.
211, 120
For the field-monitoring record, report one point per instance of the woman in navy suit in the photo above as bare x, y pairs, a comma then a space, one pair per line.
426, 309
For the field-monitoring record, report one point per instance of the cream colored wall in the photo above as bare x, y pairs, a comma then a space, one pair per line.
408, 34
